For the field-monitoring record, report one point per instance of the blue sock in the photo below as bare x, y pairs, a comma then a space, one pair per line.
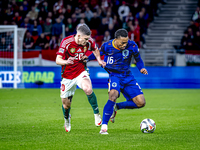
126, 105
107, 111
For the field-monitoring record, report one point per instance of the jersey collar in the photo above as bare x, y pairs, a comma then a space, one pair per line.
113, 44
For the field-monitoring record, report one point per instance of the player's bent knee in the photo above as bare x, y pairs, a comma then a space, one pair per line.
66, 103
141, 103
113, 97
66, 106
88, 91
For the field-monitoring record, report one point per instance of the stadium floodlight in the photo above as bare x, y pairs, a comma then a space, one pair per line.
11, 51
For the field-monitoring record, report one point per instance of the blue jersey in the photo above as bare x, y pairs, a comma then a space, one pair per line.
117, 60
118, 66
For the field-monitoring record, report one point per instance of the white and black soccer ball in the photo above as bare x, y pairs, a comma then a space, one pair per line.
147, 126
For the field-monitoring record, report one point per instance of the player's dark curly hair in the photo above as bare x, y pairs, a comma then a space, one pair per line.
84, 29
121, 33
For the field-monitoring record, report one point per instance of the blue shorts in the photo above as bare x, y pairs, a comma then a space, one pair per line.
125, 84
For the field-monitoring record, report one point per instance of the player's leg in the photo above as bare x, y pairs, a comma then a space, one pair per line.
84, 83
134, 98
66, 105
114, 89
139, 100
66, 112
87, 88
68, 88
136, 102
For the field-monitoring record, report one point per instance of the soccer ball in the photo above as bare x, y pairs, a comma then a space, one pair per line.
147, 126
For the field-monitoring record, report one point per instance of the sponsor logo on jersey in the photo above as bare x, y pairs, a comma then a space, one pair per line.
85, 49
79, 50
72, 50
114, 84
61, 50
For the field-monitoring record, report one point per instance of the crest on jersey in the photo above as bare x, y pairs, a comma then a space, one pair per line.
72, 50
85, 49
61, 50
125, 53
114, 84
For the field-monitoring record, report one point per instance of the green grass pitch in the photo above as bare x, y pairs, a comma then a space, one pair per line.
33, 119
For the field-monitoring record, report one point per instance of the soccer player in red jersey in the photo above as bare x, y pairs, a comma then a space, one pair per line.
71, 56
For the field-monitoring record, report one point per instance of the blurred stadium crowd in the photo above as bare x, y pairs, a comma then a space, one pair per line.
191, 37
44, 19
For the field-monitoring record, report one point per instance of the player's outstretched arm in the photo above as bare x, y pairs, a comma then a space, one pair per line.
92, 56
98, 57
61, 61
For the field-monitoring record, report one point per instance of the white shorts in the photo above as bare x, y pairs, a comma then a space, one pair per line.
68, 86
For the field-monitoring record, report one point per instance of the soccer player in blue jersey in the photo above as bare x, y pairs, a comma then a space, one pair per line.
117, 55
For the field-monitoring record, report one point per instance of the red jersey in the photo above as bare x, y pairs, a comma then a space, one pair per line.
134, 35
68, 47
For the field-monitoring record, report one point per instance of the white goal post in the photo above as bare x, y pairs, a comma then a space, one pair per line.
11, 50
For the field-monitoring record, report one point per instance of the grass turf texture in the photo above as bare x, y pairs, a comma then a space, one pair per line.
33, 119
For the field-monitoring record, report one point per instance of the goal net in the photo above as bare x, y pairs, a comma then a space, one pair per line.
11, 51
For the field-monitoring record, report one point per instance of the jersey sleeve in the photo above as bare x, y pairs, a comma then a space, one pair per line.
102, 49
92, 45
135, 49
136, 54
92, 57
62, 48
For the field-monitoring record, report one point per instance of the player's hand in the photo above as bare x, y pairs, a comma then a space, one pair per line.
70, 60
84, 58
102, 63
144, 71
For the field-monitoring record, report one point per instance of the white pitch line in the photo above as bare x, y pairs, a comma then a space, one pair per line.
102, 108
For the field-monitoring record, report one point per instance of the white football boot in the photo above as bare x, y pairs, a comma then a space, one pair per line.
104, 129
112, 118
68, 124
98, 120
